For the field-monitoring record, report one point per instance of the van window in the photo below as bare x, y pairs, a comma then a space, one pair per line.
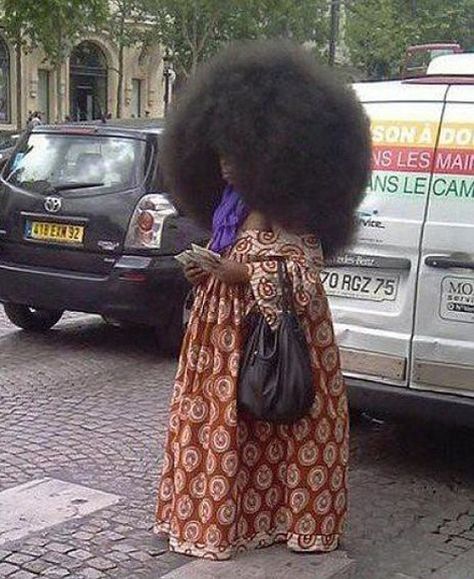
49, 162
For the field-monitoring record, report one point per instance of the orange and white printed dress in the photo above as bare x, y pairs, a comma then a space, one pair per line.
229, 481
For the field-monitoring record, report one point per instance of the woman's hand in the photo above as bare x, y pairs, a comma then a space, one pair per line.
195, 274
229, 271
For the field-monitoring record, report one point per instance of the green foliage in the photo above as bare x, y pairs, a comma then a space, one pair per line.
53, 25
300, 20
15, 24
56, 25
15, 20
438, 21
195, 29
123, 26
374, 36
123, 21
378, 31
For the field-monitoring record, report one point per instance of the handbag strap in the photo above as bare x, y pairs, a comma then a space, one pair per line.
287, 301
286, 286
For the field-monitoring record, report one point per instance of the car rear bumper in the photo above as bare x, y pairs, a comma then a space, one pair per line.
407, 403
138, 289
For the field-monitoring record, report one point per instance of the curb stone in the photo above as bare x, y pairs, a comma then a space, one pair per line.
270, 563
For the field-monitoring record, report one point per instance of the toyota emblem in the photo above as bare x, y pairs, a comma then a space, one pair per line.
52, 204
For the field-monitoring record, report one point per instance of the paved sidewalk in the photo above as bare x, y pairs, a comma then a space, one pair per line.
461, 568
85, 404
271, 563
85, 407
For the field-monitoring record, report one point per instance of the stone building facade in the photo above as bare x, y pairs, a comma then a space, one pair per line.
88, 83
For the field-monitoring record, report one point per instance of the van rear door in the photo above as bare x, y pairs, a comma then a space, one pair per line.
372, 287
443, 345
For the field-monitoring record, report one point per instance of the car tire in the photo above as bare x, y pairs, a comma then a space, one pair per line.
32, 319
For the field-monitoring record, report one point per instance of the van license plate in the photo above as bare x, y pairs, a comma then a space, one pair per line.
55, 232
377, 287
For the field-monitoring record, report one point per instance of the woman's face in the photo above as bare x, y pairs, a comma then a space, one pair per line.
226, 170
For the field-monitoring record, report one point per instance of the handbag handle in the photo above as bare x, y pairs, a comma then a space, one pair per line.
288, 304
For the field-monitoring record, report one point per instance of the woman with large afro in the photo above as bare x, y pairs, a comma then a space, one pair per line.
272, 153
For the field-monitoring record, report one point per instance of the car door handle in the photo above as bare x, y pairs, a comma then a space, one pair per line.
448, 262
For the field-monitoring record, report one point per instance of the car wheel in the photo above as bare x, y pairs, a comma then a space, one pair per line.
33, 319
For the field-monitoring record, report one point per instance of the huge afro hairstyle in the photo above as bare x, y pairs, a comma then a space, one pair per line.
297, 137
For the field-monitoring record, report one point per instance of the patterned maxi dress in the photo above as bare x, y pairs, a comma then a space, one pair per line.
229, 481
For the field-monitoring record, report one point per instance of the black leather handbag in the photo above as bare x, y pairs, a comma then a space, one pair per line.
276, 381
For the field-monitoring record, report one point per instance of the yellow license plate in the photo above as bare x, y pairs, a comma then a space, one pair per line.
58, 232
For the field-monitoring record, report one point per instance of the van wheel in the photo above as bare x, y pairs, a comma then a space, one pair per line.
33, 319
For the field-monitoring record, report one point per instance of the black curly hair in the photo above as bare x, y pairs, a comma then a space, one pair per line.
297, 138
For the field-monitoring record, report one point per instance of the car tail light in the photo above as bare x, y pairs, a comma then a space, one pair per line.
146, 227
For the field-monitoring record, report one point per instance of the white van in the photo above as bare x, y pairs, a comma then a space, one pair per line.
403, 297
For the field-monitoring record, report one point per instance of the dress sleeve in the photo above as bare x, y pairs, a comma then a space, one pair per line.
304, 260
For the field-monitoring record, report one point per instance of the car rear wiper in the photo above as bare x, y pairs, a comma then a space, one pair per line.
66, 186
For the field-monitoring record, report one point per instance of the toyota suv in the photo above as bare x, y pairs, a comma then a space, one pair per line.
85, 226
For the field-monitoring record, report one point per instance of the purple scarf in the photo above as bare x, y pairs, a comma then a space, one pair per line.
228, 218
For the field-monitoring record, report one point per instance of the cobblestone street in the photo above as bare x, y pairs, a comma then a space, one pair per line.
87, 403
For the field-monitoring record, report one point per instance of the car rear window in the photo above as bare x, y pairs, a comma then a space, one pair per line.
49, 162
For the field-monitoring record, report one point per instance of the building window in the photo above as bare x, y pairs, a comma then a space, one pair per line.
43, 94
88, 82
136, 103
4, 82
